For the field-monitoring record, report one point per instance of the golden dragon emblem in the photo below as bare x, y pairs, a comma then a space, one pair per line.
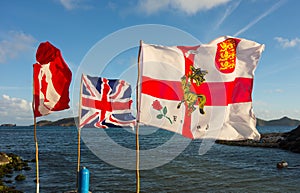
189, 97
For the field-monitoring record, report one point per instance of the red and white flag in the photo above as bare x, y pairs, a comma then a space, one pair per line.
51, 81
200, 91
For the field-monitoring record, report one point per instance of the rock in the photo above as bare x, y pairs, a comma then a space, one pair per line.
4, 159
288, 141
291, 141
18, 168
6, 189
8, 181
20, 177
282, 164
15, 163
26, 168
267, 140
8, 175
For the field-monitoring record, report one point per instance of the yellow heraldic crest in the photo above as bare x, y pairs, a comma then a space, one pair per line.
189, 97
225, 58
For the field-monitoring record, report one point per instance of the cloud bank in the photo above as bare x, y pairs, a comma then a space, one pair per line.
14, 44
15, 110
74, 4
286, 43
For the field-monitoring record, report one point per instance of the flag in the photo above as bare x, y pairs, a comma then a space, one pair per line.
51, 81
105, 102
201, 91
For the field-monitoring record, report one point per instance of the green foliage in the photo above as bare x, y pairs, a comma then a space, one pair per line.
160, 116
165, 110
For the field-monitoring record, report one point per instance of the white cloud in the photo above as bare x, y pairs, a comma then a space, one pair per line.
269, 111
15, 110
14, 44
265, 111
19, 111
74, 4
189, 7
277, 90
286, 43
11, 103
260, 103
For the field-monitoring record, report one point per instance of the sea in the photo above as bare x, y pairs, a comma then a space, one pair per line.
166, 165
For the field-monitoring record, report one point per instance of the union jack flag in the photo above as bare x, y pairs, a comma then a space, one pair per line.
105, 102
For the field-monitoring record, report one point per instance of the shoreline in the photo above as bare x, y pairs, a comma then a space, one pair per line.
10, 164
287, 141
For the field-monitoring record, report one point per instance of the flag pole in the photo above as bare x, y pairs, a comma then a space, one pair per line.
36, 144
138, 126
78, 159
79, 136
137, 159
36, 158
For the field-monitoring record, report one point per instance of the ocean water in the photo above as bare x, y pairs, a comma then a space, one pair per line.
221, 169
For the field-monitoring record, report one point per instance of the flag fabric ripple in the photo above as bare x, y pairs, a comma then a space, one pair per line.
105, 103
51, 81
201, 91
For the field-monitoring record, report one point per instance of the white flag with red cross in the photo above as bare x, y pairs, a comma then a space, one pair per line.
202, 91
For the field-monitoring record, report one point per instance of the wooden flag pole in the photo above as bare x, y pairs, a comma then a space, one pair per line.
36, 158
78, 159
36, 141
137, 159
138, 126
79, 136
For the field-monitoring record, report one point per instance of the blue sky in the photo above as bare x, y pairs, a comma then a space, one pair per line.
75, 26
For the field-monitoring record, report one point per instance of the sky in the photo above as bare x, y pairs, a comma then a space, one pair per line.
76, 26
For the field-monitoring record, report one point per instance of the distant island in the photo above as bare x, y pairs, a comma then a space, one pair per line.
8, 125
69, 122
65, 122
284, 121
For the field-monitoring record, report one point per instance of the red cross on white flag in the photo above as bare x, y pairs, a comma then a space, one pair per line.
202, 91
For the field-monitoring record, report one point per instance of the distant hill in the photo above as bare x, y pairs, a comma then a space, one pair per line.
68, 122
284, 121
8, 125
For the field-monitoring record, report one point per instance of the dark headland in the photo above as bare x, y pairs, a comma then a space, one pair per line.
283, 140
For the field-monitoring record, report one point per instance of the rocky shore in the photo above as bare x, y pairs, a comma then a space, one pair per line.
288, 141
9, 165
